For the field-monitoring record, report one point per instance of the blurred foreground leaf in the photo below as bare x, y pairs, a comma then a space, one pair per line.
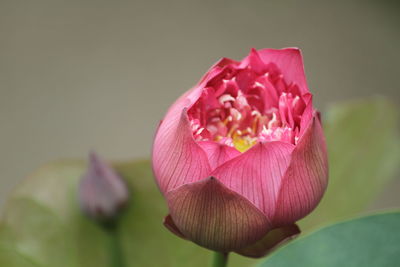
371, 241
364, 155
42, 224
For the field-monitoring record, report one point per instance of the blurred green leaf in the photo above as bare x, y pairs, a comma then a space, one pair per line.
364, 155
371, 241
43, 226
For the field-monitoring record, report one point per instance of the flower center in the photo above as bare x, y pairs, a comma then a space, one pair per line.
240, 114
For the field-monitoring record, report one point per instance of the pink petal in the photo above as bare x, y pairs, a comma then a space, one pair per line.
257, 173
271, 241
217, 72
188, 162
177, 158
218, 153
306, 178
307, 115
254, 61
290, 63
270, 94
215, 217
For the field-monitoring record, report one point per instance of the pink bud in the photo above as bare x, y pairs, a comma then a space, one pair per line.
241, 156
102, 192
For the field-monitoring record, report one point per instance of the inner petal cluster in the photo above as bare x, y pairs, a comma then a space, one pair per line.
243, 106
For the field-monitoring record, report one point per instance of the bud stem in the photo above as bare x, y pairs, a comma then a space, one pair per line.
220, 259
114, 245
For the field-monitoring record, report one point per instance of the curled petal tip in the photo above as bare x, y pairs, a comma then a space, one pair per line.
294, 49
170, 225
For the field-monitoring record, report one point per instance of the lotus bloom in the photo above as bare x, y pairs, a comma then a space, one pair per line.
241, 156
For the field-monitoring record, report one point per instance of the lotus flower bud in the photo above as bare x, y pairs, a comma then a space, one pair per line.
241, 156
102, 192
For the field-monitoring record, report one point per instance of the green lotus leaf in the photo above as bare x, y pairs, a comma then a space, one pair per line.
371, 241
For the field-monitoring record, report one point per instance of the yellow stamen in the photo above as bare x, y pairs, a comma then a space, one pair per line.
243, 144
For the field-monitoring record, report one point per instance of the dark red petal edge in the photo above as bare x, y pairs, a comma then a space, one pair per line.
271, 241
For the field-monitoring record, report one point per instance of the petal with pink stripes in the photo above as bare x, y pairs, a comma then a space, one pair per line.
215, 217
177, 158
257, 173
306, 178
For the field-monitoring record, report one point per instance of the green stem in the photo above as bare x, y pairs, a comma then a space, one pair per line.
220, 259
114, 245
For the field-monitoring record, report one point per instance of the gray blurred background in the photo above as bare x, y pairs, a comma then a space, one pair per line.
76, 75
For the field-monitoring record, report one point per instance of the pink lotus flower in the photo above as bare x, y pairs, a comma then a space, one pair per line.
241, 156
